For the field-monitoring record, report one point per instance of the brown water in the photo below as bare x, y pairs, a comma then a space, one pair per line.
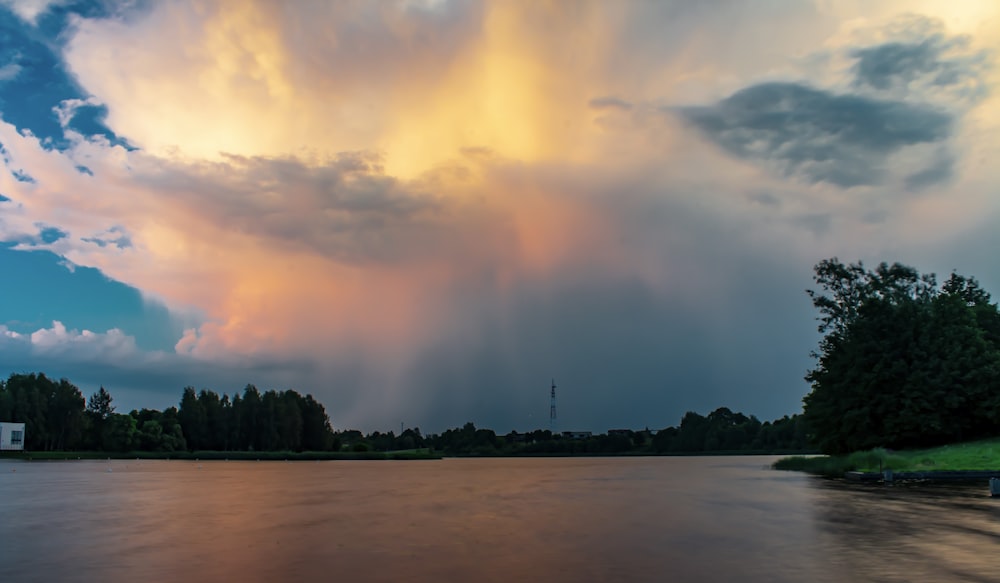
553, 519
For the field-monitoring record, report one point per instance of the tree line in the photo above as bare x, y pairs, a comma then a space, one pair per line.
58, 418
719, 431
904, 362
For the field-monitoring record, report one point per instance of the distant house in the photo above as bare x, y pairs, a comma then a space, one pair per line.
577, 434
11, 436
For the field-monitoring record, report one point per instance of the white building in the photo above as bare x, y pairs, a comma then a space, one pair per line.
11, 436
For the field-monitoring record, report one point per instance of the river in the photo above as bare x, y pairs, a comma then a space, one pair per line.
509, 519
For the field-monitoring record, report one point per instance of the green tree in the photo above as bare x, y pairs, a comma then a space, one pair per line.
235, 424
289, 421
317, 435
902, 363
100, 404
212, 414
6, 402
28, 403
65, 417
692, 433
151, 436
250, 419
99, 410
120, 433
193, 419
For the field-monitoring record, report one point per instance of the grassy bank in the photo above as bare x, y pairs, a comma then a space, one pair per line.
409, 454
973, 455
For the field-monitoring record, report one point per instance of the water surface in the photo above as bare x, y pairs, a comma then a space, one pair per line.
539, 519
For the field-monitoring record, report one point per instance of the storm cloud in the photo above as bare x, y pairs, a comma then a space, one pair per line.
818, 135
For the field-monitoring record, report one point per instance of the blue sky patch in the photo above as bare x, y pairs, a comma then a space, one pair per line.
41, 289
50, 235
22, 176
41, 83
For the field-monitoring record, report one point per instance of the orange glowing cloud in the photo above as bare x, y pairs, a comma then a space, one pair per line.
256, 78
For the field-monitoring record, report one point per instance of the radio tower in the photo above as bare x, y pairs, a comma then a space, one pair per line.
552, 409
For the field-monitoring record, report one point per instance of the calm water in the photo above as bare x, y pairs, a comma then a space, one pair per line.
557, 519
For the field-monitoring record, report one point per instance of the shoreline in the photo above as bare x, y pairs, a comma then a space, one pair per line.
342, 455
221, 455
889, 477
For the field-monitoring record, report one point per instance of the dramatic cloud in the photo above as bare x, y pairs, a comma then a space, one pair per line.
905, 99
423, 211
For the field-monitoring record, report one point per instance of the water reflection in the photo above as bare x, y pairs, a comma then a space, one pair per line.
912, 532
555, 519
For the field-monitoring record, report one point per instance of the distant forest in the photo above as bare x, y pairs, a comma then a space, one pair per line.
57, 418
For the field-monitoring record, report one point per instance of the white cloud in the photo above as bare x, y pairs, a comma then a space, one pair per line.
112, 346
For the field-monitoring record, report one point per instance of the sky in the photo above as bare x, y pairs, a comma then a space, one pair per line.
424, 211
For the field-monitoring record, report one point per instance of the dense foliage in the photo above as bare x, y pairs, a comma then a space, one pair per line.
55, 418
53, 412
904, 362
724, 430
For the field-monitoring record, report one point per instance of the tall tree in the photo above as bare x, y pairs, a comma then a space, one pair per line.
250, 420
316, 431
100, 404
29, 405
99, 410
214, 423
65, 416
193, 420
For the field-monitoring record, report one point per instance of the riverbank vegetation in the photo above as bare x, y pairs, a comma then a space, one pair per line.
977, 455
904, 363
